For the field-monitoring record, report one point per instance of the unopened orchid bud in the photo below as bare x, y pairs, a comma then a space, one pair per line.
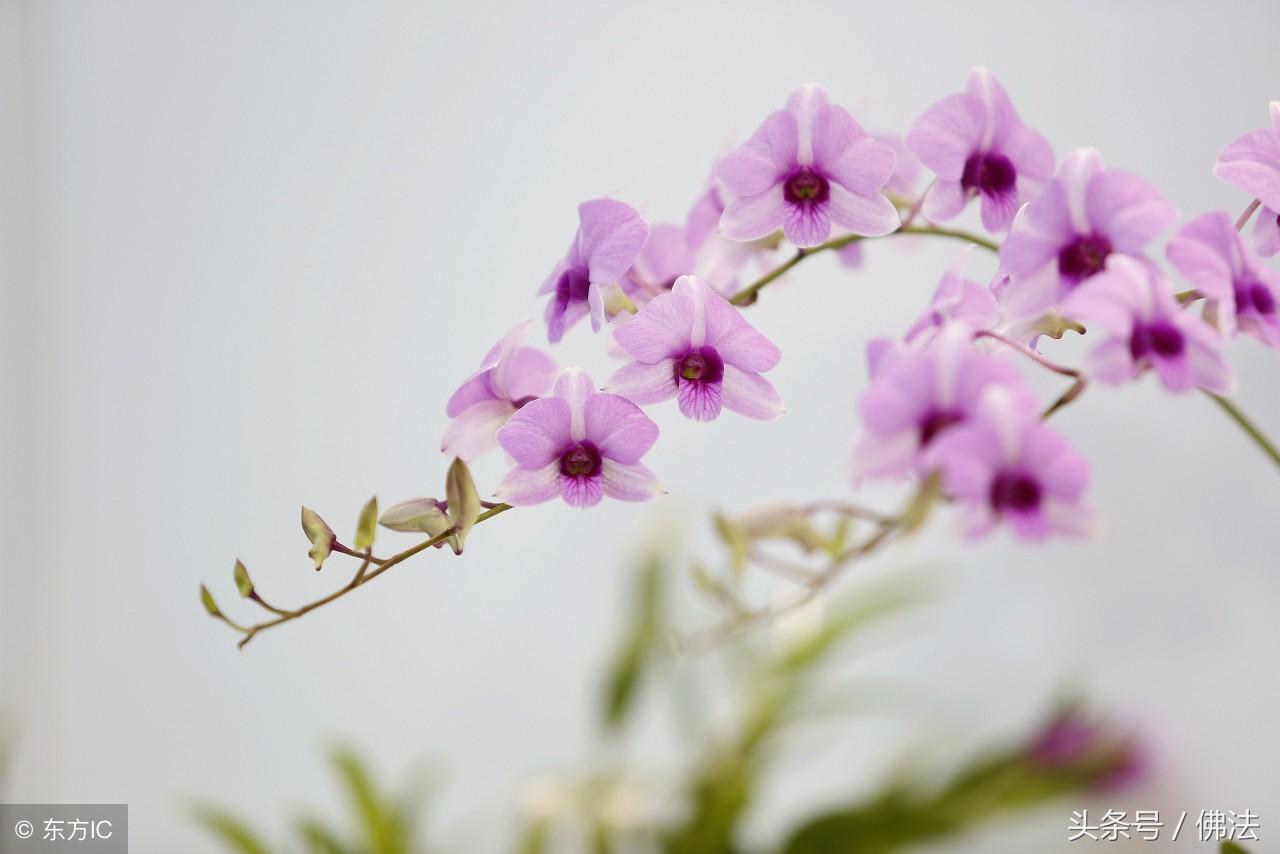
367, 526
417, 515
463, 501
206, 599
243, 583
320, 534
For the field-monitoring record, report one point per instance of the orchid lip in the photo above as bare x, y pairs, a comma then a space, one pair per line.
1160, 338
700, 365
1084, 256
988, 172
573, 286
581, 460
806, 187
1254, 296
936, 421
1015, 491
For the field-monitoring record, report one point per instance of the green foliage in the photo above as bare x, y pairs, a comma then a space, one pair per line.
1232, 848
237, 836
901, 817
383, 824
703, 812
387, 826
640, 643
724, 784
533, 838
860, 611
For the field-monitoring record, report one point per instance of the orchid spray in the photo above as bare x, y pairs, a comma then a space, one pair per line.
948, 407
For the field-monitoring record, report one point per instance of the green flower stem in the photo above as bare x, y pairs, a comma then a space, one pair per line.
360, 579
750, 293
811, 587
1268, 447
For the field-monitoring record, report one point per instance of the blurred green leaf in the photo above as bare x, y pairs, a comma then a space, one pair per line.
858, 611
367, 526
234, 834
718, 795
533, 837
724, 784
1232, 848
385, 828
903, 818
463, 500
625, 674
243, 583
320, 839
384, 824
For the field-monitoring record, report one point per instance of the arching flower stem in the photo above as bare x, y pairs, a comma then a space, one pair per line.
750, 293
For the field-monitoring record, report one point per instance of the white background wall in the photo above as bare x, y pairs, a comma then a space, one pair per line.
249, 248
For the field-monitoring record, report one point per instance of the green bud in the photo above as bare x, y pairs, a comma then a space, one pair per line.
210, 606
320, 534
243, 583
464, 501
367, 526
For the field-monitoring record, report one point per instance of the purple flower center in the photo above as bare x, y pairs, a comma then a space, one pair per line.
988, 172
806, 187
936, 421
1083, 257
524, 401
1255, 296
1011, 490
1159, 337
702, 365
572, 287
581, 460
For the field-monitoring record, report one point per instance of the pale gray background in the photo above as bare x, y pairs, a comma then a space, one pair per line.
249, 248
